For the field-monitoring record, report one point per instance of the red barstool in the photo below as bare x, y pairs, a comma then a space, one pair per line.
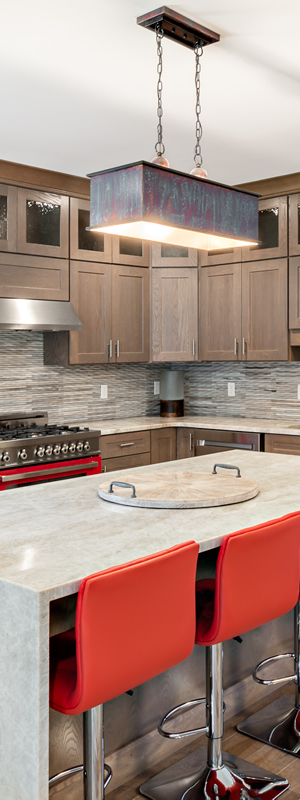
278, 723
257, 580
132, 622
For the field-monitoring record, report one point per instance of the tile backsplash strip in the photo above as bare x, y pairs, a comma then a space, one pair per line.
262, 389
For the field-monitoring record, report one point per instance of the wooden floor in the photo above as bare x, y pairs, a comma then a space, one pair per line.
234, 742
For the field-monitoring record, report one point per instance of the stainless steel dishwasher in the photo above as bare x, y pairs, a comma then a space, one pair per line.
213, 441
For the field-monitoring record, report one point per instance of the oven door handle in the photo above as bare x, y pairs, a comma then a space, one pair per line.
54, 471
233, 445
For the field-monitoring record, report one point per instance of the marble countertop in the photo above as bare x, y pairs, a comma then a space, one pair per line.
250, 425
52, 535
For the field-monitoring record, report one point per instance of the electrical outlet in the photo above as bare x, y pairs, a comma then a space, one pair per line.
298, 395
103, 392
156, 387
231, 389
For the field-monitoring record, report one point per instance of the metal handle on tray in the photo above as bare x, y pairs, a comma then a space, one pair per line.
226, 466
123, 485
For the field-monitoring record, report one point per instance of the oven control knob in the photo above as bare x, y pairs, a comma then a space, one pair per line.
86, 447
56, 449
72, 447
64, 448
40, 451
49, 450
79, 447
22, 454
6, 456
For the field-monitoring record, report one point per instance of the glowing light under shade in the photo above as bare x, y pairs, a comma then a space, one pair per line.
146, 201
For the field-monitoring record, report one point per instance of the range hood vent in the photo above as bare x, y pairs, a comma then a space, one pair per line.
37, 315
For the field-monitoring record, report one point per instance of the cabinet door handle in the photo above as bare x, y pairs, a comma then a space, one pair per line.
110, 349
244, 346
193, 347
191, 442
235, 346
127, 444
117, 348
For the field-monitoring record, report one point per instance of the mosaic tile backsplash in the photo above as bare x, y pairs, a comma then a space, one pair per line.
262, 389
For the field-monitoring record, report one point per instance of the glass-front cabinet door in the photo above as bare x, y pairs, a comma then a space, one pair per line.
8, 218
272, 231
170, 255
86, 245
294, 225
43, 223
133, 252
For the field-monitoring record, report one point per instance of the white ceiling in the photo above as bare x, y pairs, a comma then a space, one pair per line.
78, 87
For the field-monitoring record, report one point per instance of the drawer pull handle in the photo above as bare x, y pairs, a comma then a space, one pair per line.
123, 485
127, 444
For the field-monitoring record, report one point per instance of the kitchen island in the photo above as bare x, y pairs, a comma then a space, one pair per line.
52, 536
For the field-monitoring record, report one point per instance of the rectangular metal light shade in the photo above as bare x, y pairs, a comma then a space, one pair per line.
145, 201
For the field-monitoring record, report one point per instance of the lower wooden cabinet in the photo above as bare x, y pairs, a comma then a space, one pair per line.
185, 442
125, 450
163, 445
282, 443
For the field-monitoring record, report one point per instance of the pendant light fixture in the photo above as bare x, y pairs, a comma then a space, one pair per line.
148, 200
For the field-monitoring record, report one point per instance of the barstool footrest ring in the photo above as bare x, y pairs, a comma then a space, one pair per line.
181, 734
288, 679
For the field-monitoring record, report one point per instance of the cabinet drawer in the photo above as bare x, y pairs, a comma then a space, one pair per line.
125, 462
123, 444
281, 443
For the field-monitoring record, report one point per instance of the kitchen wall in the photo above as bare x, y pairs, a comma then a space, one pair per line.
263, 389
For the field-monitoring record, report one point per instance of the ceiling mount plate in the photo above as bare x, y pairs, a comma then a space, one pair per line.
181, 29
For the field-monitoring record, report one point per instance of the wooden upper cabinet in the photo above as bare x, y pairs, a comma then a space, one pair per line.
90, 295
264, 311
130, 314
133, 252
174, 314
294, 292
43, 223
86, 245
34, 278
220, 313
294, 225
272, 231
8, 218
169, 255
230, 255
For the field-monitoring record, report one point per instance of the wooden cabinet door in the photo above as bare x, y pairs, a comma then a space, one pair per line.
43, 223
185, 442
133, 252
294, 225
282, 443
130, 314
272, 231
34, 277
86, 245
294, 292
90, 295
8, 218
163, 445
169, 255
220, 313
264, 311
174, 314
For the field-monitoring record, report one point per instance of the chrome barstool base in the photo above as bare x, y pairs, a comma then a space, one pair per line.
277, 724
192, 779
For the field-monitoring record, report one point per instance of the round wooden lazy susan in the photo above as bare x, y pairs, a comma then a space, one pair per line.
178, 489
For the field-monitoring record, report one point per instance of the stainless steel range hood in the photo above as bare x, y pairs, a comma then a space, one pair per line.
37, 315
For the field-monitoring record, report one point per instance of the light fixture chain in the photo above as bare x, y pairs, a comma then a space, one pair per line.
159, 147
197, 152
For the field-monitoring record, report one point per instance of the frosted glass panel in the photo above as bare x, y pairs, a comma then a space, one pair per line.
130, 247
88, 240
42, 223
171, 251
3, 217
268, 220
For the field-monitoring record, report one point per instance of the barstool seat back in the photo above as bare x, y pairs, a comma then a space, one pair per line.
132, 622
257, 580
